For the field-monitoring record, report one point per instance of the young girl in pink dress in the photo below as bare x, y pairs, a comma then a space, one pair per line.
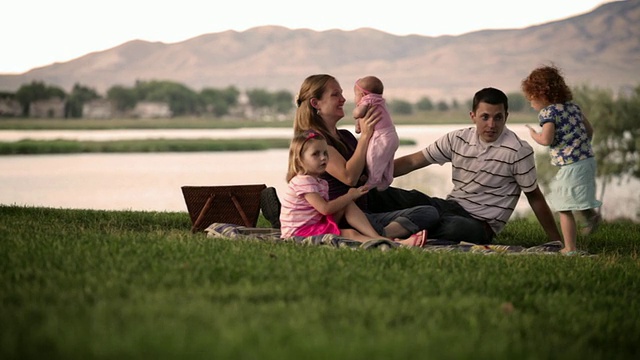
306, 209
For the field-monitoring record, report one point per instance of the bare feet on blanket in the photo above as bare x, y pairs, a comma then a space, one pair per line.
416, 240
569, 252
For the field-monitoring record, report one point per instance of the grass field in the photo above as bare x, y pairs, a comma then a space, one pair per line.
84, 284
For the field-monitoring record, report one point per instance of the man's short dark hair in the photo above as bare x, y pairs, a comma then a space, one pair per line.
491, 96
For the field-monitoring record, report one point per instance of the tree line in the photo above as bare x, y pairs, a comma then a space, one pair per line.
183, 101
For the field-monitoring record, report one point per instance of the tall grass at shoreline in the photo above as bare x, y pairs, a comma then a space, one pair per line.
27, 147
32, 147
418, 118
124, 284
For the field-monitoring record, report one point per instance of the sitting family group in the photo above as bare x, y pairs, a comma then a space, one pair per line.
340, 184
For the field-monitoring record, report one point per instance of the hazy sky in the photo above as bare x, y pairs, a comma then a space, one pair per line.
39, 32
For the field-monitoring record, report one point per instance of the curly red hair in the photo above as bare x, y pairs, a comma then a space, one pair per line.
546, 83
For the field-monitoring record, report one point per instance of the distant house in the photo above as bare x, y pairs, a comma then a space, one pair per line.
151, 109
98, 109
10, 107
49, 108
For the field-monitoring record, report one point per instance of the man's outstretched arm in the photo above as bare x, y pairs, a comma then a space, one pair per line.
543, 213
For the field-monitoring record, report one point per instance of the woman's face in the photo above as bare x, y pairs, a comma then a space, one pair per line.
331, 104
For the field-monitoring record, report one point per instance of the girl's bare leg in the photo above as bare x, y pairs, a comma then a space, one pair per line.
356, 218
365, 231
592, 219
355, 235
568, 227
588, 213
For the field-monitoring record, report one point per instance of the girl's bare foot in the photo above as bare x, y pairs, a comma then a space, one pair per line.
568, 252
416, 240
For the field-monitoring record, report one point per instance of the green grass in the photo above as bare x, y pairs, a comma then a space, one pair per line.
78, 284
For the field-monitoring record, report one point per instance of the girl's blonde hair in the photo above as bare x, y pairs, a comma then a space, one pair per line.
297, 148
307, 117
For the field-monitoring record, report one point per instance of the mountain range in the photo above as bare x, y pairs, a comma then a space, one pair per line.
598, 49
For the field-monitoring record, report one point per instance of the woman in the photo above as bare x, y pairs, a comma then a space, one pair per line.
320, 107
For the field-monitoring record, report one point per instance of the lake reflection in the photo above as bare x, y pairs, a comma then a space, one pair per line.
152, 181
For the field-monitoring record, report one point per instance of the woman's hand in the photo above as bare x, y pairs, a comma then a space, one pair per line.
369, 121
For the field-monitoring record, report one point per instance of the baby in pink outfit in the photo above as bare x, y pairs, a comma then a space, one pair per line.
384, 142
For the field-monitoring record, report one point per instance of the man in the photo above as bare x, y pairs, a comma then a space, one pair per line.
491, 166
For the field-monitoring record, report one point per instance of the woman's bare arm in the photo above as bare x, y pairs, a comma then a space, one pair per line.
348, 172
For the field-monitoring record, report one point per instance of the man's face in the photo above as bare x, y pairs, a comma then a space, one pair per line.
489, 120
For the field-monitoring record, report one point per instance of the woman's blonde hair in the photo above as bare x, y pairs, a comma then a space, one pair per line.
296, 149
307, 117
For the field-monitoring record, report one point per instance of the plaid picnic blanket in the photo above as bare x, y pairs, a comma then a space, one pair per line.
232, 231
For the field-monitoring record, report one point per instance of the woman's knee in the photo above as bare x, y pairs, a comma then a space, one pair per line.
424, 216
418, 218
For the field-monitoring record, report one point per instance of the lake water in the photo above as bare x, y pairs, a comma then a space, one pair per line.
152, 181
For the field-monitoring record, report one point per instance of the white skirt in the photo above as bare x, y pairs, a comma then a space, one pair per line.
574, 187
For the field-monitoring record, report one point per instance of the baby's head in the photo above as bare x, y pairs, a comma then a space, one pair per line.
367, 85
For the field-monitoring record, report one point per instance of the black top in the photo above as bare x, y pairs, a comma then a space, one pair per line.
337, 187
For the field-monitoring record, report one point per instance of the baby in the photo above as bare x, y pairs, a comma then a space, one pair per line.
384, 142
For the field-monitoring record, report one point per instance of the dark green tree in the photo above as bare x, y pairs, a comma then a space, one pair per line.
424, 104
78, 97
517, 102
260, 98
616, 130
283, 101
279, 102
400, 107
123, 98
37, 90
181, 99
219, 101
442, 106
